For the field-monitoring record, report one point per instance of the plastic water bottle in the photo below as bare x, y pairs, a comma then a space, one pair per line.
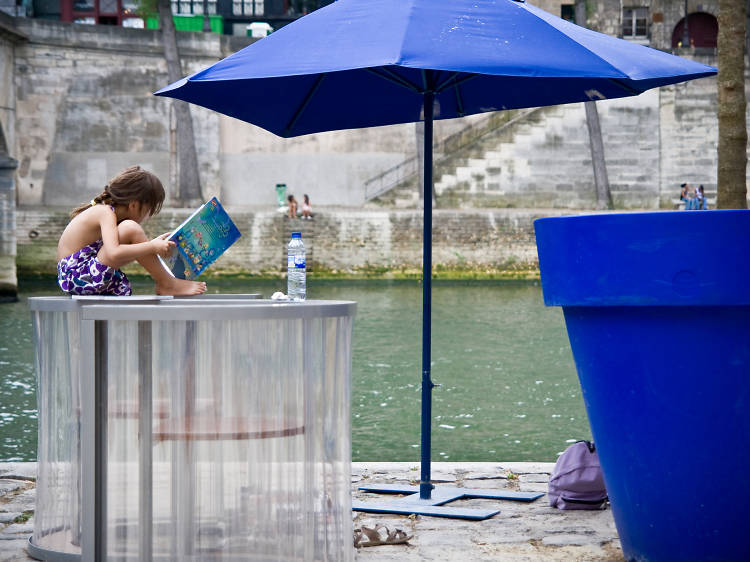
295, 266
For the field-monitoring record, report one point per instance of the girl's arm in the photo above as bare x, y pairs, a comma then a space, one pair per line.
121, 253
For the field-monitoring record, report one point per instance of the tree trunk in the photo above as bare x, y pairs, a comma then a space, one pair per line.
603, 195
188, 189
731, 175
601, 180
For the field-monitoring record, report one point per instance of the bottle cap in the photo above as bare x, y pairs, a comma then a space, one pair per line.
296, 235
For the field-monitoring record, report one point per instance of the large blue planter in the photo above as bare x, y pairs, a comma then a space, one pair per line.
657, 307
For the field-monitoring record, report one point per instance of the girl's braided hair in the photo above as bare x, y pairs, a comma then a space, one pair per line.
132, 184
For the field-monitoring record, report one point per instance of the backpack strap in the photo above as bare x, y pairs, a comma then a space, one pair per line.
589, 444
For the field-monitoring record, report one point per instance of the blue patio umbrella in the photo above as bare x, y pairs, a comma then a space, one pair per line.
365, 63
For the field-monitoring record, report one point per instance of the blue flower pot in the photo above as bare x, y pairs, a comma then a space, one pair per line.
657, 307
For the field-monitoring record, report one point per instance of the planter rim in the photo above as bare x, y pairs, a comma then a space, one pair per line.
667, 258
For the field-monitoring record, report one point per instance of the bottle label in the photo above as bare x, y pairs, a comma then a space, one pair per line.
289, 261
299, 262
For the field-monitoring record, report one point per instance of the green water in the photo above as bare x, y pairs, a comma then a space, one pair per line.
508, 385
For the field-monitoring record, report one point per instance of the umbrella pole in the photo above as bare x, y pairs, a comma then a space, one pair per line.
426, 504
425, 486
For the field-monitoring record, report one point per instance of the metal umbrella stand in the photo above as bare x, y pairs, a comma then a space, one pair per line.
429, 59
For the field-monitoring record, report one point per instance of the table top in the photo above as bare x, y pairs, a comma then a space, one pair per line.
207, 307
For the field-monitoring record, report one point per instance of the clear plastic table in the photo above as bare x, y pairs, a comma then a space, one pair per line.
191, 429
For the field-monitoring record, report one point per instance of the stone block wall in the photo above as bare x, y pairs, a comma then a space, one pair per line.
83, 99
9, 38
652, 144
342, 241
86, 107
689, 136
84, 103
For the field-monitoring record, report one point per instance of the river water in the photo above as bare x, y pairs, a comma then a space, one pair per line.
508, 390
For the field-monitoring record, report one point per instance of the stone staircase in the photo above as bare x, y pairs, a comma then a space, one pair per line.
541, 158
399, 186
545, 160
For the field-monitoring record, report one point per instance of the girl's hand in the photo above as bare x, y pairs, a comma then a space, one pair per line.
161, 245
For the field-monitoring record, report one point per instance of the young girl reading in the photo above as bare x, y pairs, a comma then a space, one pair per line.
106, 234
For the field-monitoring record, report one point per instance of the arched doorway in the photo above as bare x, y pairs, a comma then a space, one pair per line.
702, 27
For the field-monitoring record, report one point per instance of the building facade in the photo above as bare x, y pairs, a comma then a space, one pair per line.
234, 15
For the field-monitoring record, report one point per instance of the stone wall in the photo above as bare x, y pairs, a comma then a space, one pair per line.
9, 39
8, 278
652, 144
84, 103
499, 241
86, 107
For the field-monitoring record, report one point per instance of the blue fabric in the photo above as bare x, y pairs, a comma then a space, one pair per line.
328, 70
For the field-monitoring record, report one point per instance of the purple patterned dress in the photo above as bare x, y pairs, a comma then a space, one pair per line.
81, 273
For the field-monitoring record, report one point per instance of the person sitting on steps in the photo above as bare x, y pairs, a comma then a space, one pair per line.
306, 208
292, 212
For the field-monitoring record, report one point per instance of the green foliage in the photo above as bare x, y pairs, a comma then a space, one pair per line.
145, 8
25, 516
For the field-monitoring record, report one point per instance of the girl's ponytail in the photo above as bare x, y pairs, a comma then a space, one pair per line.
103, 197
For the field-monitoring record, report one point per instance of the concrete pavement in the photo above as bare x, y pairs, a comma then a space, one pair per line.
520, 532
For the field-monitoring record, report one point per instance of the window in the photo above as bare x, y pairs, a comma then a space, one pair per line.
136, 23
83, 5
568, 12
192, 7
635, 22
129, 7
247, 7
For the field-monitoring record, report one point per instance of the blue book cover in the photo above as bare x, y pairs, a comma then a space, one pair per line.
200, 240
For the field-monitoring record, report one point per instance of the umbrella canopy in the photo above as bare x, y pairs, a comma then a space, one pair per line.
364, 63
360, 63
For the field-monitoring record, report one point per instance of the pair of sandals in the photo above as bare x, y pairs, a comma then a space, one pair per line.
379, 535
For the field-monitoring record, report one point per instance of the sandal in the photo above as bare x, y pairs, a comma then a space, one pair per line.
367, 536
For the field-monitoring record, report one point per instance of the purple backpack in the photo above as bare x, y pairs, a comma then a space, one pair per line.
576, 481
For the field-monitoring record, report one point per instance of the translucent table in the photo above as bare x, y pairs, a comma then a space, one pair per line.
191, 429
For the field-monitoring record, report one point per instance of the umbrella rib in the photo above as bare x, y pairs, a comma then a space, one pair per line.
393, 77
442, 85
303, 105
459, 101
447, 83
624, 86
451, 81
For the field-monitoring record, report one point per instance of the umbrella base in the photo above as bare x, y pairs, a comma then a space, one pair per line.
435, 505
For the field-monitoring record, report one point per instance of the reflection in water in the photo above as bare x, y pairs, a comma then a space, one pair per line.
508, 386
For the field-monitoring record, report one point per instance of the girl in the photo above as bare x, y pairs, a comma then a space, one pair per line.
106, 234
306, 208
292, 213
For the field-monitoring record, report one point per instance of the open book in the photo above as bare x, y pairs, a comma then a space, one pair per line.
200, 240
